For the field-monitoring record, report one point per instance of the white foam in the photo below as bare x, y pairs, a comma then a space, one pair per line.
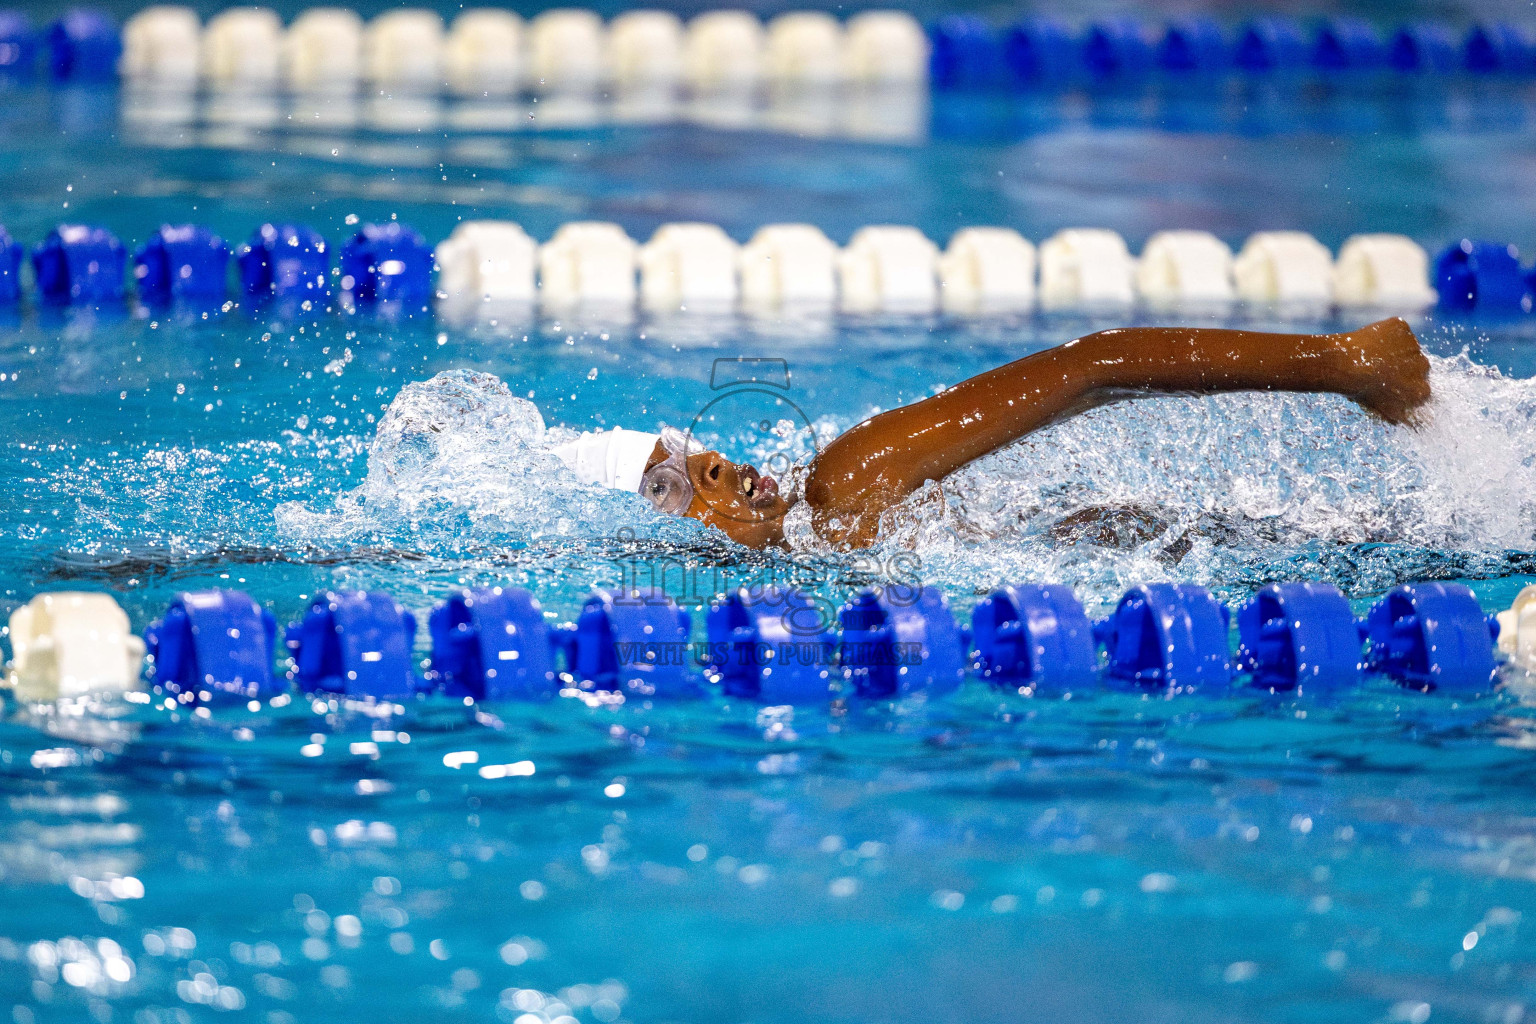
459, 462
1237, 489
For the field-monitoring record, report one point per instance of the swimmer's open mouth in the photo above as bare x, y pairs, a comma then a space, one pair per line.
760, 490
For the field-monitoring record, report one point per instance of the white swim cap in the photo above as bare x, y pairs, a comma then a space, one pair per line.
613, 458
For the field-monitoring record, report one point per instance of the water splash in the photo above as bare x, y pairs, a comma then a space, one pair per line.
459, 462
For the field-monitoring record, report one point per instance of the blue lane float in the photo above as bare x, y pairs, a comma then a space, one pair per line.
78, 265
1424, 47
286, 261
1194, 45
84, 46
492, 643
18, 46
633, 642
355, 643
1482, 276
964, 53
1270, 45
1431, 636
1299, 635
778, 646
1035, 636
11, 256
214, 643
969, 52
1347, 44
1169, 636
772, 646
387, 263
1498, 49
1039, 50
901, 641
184, 261
1116, 48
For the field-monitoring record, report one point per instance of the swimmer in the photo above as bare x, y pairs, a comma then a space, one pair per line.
854, 480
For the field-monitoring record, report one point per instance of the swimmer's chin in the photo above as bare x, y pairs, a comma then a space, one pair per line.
753, 527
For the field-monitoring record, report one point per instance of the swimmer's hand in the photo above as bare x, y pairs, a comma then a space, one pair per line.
1390, 368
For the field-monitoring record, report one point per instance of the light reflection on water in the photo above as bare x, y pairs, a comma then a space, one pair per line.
709, 862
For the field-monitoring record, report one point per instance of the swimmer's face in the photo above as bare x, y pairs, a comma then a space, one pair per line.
737, 499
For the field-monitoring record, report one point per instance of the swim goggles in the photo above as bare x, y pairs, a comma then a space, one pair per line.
666, 485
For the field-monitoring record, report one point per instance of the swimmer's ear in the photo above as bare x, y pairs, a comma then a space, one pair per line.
1392, 371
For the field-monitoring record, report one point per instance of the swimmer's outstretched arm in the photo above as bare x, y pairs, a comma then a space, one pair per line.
882, 460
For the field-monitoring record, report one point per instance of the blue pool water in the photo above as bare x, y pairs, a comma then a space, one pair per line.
987, 857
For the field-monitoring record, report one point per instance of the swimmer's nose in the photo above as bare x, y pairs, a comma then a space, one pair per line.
713, 473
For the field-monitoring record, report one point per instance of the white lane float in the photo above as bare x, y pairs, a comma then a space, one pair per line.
161, 45
1086, 268
1284, 267
403, 49
788, 266
487, 261
1185, 268
689, 266
483, 54
588, 263
885, 48
723, 50
323, 51
804, 48
1383, 271
888, 269
1517, 629
565, 50
242, 49
71, 644
987, 270
645, 48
